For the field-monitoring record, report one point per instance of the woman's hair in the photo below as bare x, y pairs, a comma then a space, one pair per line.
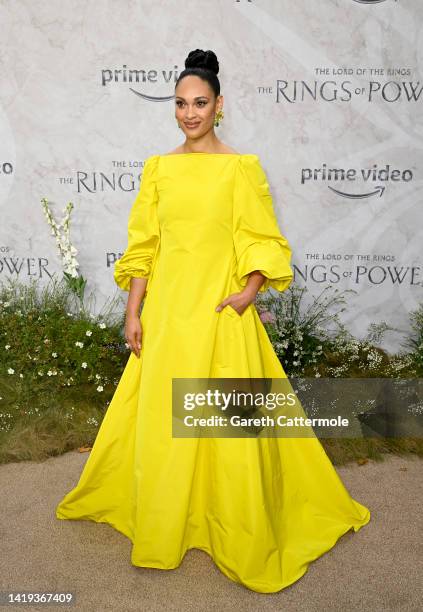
203, 64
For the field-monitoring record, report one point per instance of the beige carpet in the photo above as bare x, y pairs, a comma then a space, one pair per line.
379, 568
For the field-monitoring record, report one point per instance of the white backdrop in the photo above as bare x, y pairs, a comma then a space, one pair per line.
328, 94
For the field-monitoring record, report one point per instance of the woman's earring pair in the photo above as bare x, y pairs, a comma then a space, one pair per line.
217, 118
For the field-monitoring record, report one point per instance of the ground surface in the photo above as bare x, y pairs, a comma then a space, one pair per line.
378, 568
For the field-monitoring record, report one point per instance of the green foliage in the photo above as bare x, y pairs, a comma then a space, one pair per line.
76, 284
311, 340
414, 341
59, 365
53, 349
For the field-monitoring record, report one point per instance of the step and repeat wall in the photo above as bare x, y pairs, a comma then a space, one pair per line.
328, 94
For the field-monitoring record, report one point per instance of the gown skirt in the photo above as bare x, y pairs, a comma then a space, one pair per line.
262, 508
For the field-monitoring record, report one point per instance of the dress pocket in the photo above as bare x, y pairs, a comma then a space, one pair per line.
234, 340
231, 311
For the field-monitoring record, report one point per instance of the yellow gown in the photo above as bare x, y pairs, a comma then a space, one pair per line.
262, 508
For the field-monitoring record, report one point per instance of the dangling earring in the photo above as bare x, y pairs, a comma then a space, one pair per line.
178, 124
218, 117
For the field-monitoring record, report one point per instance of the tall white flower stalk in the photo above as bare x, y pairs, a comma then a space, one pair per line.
61, 231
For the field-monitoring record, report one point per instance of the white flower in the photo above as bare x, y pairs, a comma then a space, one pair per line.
54, 354
84, 364
10, 371
88, 332
61, 232
7, 347
100, 388
40, 373
80, 344
21, 375
102, 325
49, 373
97, 376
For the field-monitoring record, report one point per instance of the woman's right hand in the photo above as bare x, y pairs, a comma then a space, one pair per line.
133, 333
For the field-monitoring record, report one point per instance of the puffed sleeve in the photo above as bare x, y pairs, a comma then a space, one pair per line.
259, 244
143, 230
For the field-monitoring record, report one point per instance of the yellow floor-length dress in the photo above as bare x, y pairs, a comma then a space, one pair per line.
262, 508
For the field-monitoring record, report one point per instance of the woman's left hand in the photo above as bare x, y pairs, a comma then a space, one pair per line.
238, 301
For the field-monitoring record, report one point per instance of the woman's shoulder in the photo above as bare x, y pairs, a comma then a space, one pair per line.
252, 172
150, 163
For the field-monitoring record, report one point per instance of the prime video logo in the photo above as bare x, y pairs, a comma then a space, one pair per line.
125, 75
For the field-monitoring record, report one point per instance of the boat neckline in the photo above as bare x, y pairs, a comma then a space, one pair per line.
206, 153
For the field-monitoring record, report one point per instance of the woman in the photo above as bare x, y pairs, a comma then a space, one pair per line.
203, 239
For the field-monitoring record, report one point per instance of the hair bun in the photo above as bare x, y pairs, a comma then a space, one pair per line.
202, 59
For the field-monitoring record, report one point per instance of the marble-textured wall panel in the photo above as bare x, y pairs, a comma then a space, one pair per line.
328, 94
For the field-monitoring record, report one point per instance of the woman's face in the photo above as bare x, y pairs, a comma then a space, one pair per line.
196, 106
